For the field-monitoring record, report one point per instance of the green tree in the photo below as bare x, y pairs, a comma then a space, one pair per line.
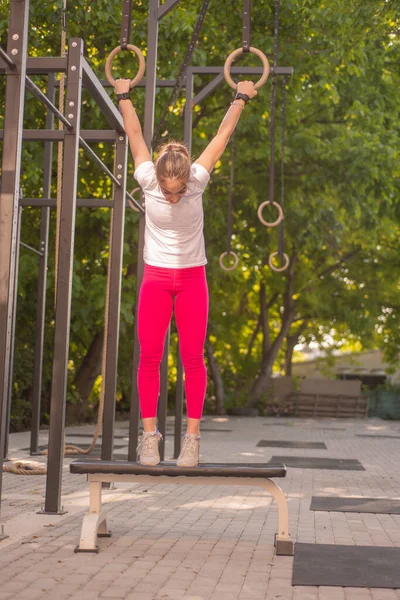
341, 193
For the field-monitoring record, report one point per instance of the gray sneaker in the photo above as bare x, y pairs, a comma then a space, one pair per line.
189, 456
148, 452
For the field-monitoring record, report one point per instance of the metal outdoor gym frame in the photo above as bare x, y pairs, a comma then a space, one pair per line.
17, 67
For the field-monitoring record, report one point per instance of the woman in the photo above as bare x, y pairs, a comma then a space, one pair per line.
174, 273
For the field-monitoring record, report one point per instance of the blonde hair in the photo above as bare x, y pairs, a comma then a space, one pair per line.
173, 162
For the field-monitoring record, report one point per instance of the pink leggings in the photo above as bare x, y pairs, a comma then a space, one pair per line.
186, 291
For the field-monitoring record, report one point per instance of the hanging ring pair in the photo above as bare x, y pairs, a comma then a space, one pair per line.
257, 85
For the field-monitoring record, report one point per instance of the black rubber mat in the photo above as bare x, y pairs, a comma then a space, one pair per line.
278, 424
205, 429
346, 566
171, 433
121, 454
378, 506
89, 436
333, 428
302, 425
291, 444
380, 436
125, 437
310, 462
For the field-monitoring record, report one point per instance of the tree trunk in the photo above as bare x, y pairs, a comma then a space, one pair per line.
216, 378
271, 348
263, 381
289, 355
253, 339
87, 374
291, 342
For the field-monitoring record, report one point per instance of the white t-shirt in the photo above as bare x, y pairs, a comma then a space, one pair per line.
174, 232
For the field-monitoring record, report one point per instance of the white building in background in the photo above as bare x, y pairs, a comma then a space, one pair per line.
368, 366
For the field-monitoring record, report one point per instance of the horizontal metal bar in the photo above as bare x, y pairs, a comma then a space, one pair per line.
32, 87
93, 154
52, 202
42, 65
50, 135
240, 70
168, 83
80, 202
161, 83
103, 100
166, 7
38, 66
7, 59
38, 202
285, 71
30, 248
98, 135
46, 64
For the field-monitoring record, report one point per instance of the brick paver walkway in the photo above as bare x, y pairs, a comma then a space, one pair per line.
201, 542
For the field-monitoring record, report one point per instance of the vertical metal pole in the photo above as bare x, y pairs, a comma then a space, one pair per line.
188, 117
163, 403
281, 232
13, 326
9, 196
64, 280
126, 24
148, 127
135, 408
148, 132
272, 109
188, 114
42, 280
113, 306
246, 27
178, 404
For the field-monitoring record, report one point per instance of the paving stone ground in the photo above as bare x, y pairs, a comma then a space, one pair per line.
200, 542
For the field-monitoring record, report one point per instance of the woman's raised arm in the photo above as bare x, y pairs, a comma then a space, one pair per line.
216, 147
132, 125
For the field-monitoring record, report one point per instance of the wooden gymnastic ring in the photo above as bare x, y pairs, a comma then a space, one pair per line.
131, 204
263, 221
235, 54
278, 269
142, 65
235, 261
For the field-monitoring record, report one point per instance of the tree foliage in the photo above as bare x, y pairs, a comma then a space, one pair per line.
341, 192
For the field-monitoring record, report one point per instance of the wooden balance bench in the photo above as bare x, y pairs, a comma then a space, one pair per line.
99, 471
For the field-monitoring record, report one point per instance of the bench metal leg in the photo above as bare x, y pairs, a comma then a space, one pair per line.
3, 536
94, 523
283, 542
